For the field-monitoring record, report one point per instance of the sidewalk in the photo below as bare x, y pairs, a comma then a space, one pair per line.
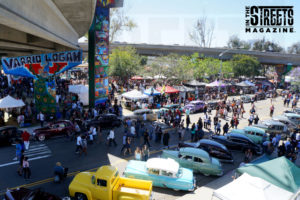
206, 192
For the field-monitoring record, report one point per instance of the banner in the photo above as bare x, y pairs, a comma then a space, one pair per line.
101, 50
43, 65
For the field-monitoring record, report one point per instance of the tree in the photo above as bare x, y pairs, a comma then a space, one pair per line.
264, 45
202, 33
244, 65
295, 48
119, 22
124, 62
235, 42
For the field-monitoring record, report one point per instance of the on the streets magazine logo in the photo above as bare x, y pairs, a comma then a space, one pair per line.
269, 19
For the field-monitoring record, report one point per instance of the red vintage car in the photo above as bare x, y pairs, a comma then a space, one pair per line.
59, 128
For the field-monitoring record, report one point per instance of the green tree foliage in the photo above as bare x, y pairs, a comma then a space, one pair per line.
235, 42
295, 48
264, 45
244, 65
124, 62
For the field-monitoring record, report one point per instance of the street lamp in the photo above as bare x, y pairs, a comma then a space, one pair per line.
220, 56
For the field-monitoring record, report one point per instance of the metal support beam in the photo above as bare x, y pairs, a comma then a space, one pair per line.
91, 58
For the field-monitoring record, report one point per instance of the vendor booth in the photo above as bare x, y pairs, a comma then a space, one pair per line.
134, 99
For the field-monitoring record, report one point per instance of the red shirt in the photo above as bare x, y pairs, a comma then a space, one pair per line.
25, 136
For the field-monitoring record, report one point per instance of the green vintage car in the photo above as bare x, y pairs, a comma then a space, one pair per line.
196, 159
257, 135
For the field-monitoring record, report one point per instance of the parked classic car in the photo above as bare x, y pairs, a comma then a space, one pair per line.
194, 106
107, 184
296, 110
212, 104
215, 149
139, 115
196, 159
29, 194
260, 95
59, 128
245, 98
238, 141
8, 135
105, 121
162, 172
273, 127
285, 120
171, 107
164, 127
257, 135
294, 118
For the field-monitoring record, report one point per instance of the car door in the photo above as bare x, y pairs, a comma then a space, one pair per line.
186, 161
199, 165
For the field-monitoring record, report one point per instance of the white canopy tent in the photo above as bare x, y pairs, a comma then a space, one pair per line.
248, 187
135, 95
10, 102
82, 91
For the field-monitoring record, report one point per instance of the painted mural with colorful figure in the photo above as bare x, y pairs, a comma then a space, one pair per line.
43, 68
102, 50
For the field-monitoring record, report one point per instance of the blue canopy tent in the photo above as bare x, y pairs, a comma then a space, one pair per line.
151, 92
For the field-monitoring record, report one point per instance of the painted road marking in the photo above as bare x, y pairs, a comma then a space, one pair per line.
48, 180
35, 152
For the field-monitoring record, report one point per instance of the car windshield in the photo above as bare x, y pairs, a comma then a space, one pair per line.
179, 174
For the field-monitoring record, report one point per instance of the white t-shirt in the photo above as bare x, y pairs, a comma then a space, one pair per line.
79, 140
111, 134
132, 130
145, 116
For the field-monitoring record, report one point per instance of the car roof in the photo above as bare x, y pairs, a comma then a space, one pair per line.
108, 114
238, 135
141, 110
197, 102
212, 142
256, 129
281, 117
240, 131
194, 151
291, 115
7, 127
168, 164
272, 122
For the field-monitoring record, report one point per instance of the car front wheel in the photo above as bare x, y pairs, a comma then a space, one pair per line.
80, 196
41, 137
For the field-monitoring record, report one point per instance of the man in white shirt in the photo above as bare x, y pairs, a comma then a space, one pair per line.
78, 144
111, 138
132, 130
42, 119
145, 117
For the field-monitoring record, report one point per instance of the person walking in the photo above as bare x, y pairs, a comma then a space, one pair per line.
145, 153
138, 154
218, 128
25, 137
232, 123
256, 119
166, 138
271, 110
216, 119
20, 169
193, 132
111, 138
84, 144
188, 121
124, 142
78, 144
225, 128
236, 122
127, 146
146, 138
26, 169
42, 119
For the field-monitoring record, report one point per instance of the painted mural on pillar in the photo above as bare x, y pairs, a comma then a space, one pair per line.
105, 3
101, 51
43, 69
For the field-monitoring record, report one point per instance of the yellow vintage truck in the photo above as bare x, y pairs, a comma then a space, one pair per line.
106, 184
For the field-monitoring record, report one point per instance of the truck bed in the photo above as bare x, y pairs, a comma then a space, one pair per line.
132, 188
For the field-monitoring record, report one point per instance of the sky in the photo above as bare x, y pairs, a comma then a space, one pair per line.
170, 21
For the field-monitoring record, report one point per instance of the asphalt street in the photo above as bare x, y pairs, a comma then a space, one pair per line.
44, 155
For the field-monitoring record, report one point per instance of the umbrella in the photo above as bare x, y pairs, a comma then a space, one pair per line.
167, 89
9, 102
160, 77
136, 78
134, 95
184, 89
249, 83
195, 83
216, 84
151, 92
